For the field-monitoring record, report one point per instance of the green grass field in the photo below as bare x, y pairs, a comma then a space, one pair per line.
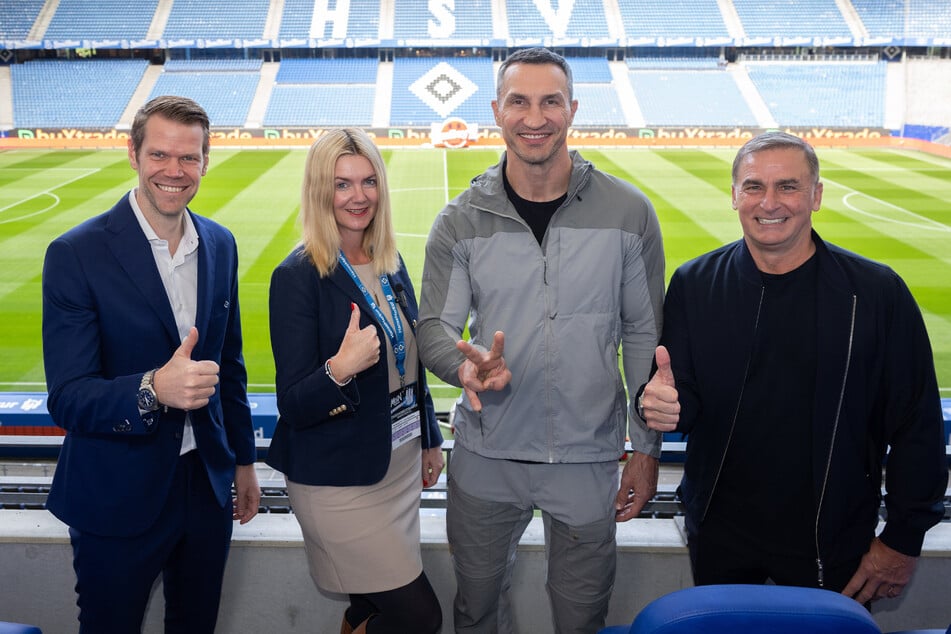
892, 206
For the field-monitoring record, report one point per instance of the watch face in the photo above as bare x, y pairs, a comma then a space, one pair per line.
146, 399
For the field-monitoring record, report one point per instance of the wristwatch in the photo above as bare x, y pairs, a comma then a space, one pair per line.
148, 401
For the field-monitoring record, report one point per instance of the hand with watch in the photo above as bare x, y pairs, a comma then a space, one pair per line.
146, 397
183, 383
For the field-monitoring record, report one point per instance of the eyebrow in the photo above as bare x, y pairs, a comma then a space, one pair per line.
518, 95
784, 181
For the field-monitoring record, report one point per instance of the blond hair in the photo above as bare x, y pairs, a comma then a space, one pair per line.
320, 236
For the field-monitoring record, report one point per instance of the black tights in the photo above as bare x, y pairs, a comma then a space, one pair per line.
412, 608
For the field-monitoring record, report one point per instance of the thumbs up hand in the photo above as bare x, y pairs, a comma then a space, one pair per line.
184, 383
659, 399
359, 350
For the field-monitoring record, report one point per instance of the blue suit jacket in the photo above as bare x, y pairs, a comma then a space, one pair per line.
106, 321
327, 435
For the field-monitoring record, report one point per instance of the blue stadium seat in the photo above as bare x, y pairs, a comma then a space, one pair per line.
690, 97
59, 93
751, 609
801, 19
846, 94
18, 18
653, 19
18, 628
101, 19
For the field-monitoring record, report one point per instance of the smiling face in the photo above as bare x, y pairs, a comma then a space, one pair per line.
355, 197
170, 163
534, 111
775, 195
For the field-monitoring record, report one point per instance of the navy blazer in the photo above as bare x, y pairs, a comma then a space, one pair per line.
328, 435
106, 321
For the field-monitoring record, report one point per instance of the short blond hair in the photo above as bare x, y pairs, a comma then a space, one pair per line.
320, 236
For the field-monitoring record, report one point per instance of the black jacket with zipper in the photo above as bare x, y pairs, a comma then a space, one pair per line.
876, 391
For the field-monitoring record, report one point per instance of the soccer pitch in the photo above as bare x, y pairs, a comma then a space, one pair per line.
890, 205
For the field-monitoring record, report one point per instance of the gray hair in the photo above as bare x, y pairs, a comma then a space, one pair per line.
776, 139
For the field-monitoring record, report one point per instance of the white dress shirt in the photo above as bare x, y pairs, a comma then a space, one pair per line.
180, 276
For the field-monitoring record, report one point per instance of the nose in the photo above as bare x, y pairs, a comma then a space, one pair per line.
535, 117
173, 168
769, 201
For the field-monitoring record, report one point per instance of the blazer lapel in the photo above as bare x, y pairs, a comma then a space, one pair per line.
207, 263
134, 255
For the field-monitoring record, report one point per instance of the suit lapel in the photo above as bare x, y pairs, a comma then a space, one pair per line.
207, 263
134, 255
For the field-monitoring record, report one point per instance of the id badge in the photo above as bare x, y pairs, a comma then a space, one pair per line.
405, 415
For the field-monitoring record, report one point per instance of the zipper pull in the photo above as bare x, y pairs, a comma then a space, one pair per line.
822, 576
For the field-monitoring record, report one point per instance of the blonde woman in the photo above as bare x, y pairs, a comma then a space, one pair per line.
357, 437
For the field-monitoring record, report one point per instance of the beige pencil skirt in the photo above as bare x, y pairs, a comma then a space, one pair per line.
363, 539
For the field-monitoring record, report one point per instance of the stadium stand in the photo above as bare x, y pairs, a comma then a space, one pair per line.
598, 105
103, 19
18, 18
928, 19
822, 93
883, 19
296, 19
213, 19
363, 21
584, 20
225, 95
467, 25
648, 20
791, 20
90, 93
590, 70
320, 105
688, 97
311, 92
427, 89
656, 62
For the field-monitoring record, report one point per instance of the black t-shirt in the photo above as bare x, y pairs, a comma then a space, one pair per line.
765, 495
536, 214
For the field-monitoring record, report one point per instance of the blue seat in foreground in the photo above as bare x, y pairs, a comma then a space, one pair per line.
18, 628
751, 609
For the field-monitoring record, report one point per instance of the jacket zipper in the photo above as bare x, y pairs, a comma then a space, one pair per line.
820, 566
739, 401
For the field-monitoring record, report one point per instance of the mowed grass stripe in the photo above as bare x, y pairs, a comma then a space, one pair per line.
256, 193
695, 216
921, 194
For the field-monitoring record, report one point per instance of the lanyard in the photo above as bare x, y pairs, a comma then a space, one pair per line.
393, 332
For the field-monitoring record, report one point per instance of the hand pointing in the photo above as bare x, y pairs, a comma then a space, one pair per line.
483, 371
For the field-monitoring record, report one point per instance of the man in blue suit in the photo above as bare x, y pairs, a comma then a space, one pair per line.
142, 349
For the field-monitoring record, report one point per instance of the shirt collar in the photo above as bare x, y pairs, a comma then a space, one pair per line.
189, 238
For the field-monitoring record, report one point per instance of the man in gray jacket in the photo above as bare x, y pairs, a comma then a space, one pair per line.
554, 265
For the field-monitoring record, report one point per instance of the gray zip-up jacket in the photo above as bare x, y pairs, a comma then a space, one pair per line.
595, 283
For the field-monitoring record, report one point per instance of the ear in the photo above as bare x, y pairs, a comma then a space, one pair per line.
495, 111
132, 159
817, 197
733, 196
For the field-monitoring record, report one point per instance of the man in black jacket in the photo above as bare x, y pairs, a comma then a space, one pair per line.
793, 366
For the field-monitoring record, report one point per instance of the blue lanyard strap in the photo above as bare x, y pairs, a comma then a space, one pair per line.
393, 332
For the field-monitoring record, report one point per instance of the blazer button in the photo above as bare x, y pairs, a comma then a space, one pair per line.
124, 426
343, 408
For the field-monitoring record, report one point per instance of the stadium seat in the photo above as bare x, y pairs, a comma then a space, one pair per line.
751, 609
18, 628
